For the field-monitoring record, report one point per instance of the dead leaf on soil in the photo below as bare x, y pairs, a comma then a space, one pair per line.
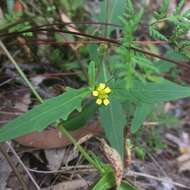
57, 157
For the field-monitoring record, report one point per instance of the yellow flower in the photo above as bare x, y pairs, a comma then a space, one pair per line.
101, 92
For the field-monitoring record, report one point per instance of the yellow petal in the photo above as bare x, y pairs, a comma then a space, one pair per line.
99, 101
101, 86
95, 93
107, 90
106, 102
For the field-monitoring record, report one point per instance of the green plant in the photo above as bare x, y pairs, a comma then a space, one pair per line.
126, 79
178, 23
11, 22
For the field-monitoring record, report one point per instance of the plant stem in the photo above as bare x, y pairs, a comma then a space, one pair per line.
80, 148
20, 72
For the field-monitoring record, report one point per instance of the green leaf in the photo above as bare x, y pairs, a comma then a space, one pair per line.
164, 8
94, 55
179, 7
175, 55
150, 92
155, 34
141, 113
163, 11
79, 119
165, 66
112, 119
104, 74
186, 14
138, 18
92, 74
125, 185
42, 115
159, 92
112, 9
116, 9
106, 182
130, 7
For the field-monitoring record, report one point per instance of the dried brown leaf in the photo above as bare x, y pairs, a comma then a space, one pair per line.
66, 19
115, 160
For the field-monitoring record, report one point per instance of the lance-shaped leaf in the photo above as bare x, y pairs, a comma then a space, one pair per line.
141, 112
112, 9
158, 92
150, 92
113, 120
42, 115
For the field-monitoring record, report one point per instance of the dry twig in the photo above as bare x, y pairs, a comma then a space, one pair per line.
22, 164
12, 165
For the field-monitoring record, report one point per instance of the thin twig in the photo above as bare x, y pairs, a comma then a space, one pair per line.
157, 164
138, 174
150, 123
97, 38
3, 121
24, 167
12, 165
5, 82
53, 42
75, 42
56, 74
10, 113
62, 24
65, 169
